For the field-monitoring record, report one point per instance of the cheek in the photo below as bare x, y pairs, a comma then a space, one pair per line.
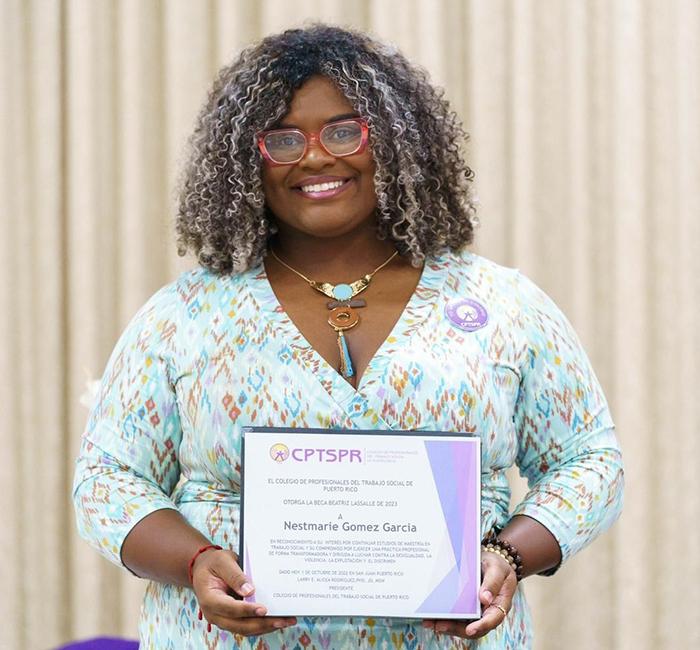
271, 181
266, 180
367, 168
367, 164
371, 190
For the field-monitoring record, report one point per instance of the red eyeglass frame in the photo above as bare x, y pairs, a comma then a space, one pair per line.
314, 137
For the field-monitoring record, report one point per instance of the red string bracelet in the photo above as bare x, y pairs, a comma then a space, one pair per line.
200, 616
196, 555
189, 572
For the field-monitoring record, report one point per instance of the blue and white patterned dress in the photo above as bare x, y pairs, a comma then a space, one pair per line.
208, 355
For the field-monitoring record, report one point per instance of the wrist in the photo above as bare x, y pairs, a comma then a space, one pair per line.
203, 549
537, 546
506, 551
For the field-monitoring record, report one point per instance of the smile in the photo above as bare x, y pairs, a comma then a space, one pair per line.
321, 187
323, 190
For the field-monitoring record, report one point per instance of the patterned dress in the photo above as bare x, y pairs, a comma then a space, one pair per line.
210, 354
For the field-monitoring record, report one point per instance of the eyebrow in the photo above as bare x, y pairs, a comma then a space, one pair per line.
344, 116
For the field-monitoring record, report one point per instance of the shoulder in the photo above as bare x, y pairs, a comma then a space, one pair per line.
197, 284
487, 277
477, 266
511, 299
173, 319
191, 294
472, 273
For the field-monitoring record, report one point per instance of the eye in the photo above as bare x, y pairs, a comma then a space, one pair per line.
341, 133
345, 134
282, 140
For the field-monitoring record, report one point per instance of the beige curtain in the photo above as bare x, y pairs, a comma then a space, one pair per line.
584, 117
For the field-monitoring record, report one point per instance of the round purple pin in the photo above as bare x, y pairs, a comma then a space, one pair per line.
467, 314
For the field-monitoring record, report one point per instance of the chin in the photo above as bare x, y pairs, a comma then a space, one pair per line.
329, 226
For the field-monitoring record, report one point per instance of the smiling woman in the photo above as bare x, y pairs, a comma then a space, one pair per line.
329, 206
322, 193
414, 140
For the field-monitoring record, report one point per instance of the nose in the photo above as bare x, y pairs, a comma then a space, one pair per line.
316, 157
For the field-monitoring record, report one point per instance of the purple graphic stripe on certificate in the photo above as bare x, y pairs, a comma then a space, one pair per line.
443, 465
465, 473
453, 465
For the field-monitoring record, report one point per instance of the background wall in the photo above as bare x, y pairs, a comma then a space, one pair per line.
586, 147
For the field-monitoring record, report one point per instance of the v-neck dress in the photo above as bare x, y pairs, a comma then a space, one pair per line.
209, 354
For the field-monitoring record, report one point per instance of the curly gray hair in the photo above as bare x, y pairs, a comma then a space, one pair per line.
425, 202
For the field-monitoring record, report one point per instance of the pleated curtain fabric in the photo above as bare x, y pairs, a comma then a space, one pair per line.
585, 140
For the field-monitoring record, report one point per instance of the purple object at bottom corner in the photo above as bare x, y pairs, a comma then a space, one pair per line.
102, 643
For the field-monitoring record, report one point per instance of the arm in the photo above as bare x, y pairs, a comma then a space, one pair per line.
128, 465
537, 547
160, 547
566, 449
128, 468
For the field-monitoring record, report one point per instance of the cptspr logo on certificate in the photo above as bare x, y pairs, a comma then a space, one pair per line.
344, 523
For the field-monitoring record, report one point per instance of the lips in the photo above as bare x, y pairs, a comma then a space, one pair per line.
322, 187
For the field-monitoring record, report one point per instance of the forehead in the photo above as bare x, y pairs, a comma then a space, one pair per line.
317, 101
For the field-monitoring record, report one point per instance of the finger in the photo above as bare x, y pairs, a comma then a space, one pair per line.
252, 626
491, 619
220, 571
429, 624
235, 578
485, 596
285, 622
504, 595
453, 628
217, 603
504, 598
493, 577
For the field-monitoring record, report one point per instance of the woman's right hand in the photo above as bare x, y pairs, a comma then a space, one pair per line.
215, 577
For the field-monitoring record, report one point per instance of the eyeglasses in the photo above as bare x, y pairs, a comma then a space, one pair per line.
289, 146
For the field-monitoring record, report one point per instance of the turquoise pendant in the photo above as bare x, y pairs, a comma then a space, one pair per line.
342, 292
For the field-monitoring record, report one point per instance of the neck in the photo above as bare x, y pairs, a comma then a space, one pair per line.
333, 260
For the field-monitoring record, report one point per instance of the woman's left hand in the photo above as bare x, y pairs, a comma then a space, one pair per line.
498, 584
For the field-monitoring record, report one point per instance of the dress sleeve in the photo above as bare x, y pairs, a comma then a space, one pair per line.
567, 448
128, 464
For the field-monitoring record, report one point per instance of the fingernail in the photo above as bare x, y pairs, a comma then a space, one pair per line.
278, 624
441, 627
488, 595
260, 611
245, 589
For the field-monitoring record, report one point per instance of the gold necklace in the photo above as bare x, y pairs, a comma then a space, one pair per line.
340, 291
342, 317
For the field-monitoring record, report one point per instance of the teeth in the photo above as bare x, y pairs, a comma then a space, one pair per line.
321, 187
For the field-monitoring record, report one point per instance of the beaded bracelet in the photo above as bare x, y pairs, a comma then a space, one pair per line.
196, 555
507, 551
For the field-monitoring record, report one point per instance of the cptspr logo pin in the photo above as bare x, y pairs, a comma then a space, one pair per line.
467, 314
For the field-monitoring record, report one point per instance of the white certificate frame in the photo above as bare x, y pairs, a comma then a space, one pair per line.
406, 508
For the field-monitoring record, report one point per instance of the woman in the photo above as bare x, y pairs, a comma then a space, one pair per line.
323, 157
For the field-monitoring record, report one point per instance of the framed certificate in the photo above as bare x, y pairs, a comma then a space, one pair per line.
356, 523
